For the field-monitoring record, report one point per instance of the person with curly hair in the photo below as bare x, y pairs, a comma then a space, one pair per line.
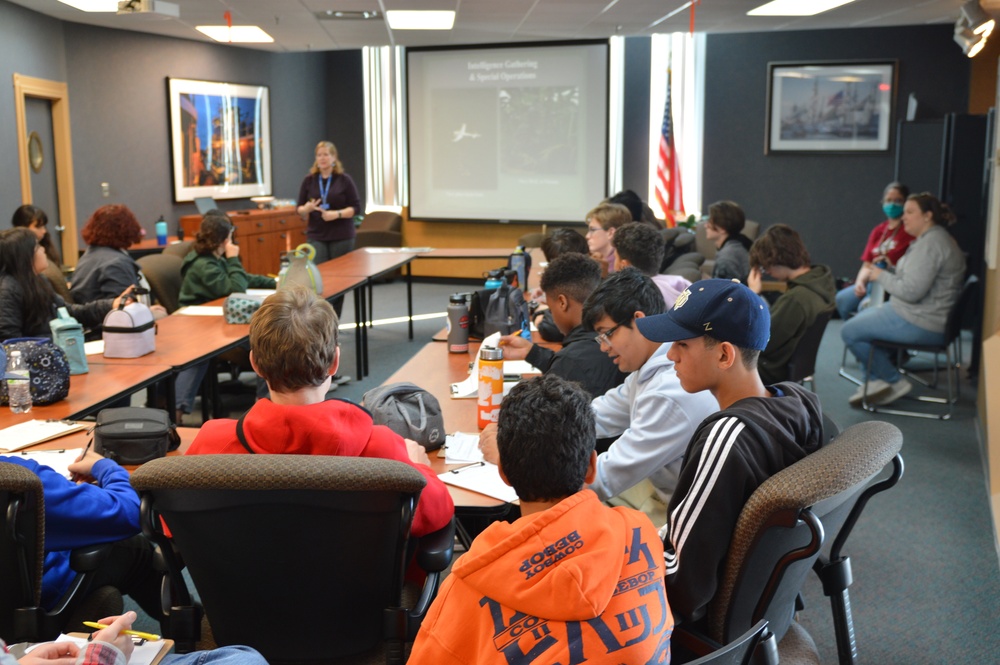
106, 269
35, 220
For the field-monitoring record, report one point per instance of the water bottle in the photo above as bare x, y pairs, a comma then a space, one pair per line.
18, 383
517, 264
458, 324
490, 385
161, 231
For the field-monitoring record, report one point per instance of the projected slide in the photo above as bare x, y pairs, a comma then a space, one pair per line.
516, 134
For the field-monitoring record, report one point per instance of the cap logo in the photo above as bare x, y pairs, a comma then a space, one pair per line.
707, 325
682, 298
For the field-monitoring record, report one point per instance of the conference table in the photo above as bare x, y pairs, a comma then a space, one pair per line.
102, 386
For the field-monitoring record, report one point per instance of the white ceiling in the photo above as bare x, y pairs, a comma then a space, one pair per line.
294, 25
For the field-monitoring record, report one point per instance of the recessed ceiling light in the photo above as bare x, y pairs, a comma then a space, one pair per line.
346, 15
92, 5
420, 20
243, 34
796, 7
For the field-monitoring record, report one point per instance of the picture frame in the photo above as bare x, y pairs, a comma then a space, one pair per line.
220, 139
830, 107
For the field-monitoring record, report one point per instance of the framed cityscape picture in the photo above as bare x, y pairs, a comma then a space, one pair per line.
220, 137
830, 106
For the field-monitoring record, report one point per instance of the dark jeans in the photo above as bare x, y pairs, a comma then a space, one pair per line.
129, 568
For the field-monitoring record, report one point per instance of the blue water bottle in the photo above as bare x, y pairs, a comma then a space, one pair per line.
161, 231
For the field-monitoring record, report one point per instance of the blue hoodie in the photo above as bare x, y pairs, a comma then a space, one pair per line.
80, 515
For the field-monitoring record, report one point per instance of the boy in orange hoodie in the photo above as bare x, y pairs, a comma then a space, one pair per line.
572, 580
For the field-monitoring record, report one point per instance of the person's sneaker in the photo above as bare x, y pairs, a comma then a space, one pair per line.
896, 390
876, 388
340, 379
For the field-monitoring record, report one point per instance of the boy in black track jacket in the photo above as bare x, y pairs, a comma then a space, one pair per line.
718, 328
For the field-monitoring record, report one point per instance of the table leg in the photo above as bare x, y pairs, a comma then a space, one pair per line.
359, 323
409, 296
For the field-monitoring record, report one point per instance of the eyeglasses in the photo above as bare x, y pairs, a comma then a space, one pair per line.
592, 229
605, 337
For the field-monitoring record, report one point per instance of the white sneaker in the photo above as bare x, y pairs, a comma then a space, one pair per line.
876, 388
896, 390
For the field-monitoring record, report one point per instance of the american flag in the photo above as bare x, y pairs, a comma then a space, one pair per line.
668, 169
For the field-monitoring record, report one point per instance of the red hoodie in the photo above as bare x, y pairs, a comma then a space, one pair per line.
579, 582
333, 427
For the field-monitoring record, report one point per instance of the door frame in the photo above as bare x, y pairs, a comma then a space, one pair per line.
58, 94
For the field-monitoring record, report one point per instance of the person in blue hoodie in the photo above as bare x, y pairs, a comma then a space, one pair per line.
85, 513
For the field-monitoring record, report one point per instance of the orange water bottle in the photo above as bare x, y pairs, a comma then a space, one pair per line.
490, 385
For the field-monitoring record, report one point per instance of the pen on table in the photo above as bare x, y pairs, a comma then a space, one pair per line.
468, 466
137, 633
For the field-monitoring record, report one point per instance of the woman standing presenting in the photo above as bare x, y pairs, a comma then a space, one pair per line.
886, 245
328, 201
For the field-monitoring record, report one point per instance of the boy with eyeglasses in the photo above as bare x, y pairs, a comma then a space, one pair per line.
650, 416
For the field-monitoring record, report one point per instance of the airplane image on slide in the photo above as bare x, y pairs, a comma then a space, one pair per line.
462, 134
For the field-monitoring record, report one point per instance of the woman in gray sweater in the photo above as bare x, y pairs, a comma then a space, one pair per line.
924, 288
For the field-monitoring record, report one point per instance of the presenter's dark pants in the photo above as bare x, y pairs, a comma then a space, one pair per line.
331, 250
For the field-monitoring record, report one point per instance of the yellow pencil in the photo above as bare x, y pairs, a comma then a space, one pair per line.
145, 636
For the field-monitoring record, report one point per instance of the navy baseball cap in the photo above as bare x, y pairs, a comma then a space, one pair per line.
722, 309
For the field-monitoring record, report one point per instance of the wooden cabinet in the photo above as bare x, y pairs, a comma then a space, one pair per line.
261, 234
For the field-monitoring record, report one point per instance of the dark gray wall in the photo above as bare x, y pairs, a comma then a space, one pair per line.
635, 112
120, 116
833, 200
31, 45
345, 112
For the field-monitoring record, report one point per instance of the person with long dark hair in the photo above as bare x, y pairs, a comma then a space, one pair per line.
34, 218
27, 301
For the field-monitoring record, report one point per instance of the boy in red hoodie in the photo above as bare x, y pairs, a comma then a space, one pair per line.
572, 580
293, 346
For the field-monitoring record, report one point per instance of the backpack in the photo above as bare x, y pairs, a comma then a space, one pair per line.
409, 411
506, 311
48, 368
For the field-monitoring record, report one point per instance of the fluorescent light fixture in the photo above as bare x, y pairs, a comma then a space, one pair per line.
796, 7
92, 5
977, 19
238, 34
420, 20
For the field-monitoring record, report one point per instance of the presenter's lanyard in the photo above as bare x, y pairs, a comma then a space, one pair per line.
323, 191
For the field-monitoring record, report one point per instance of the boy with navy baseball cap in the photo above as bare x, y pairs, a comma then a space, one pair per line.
718, 329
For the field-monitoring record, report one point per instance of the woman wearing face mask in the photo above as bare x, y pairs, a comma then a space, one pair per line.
886, 245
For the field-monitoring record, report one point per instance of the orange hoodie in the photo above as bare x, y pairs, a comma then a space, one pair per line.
579, 582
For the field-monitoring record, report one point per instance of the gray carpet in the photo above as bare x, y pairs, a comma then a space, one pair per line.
926, 574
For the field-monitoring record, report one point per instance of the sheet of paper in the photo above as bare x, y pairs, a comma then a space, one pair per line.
417, 250
200, 310
31, 432
95, 348
483, 478
57, 460
469, 388
142, 654
261, 292
383, 250
461, 447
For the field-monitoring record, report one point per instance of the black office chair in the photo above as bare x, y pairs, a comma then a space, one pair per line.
802, 364
319, 541
738, 652
779, 536
22, 554
951, 347
163, 272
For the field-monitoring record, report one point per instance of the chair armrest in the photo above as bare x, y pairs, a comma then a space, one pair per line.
434, 550
89, 558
